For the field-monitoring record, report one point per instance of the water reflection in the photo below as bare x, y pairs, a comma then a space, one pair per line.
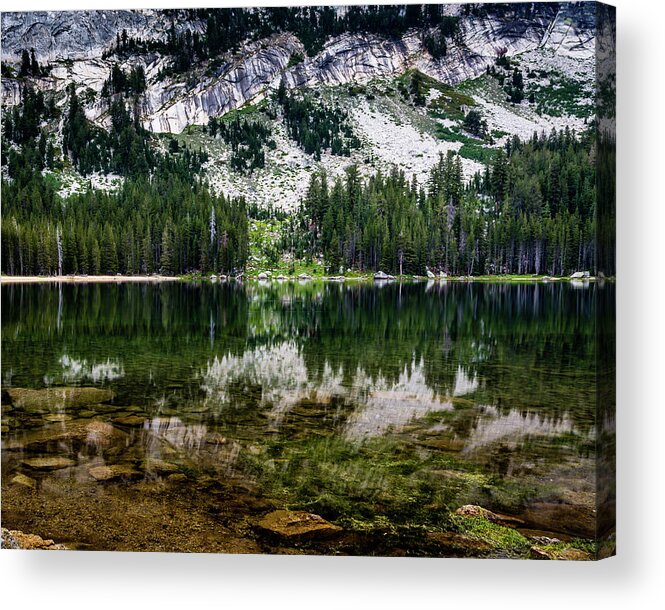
309, 389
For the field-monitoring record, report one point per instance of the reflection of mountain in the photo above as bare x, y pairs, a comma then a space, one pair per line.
96, 372
524, 347
513, 426
282, 375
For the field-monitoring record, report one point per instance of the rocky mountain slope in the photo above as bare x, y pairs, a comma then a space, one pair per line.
552, 45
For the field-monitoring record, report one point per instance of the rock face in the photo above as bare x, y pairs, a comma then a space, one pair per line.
61, 35
170, 105
297, 525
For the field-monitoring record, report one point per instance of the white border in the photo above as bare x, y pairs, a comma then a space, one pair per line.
631, 580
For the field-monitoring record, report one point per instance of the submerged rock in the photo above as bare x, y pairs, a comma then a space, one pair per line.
159, 466
49, 463
83, 431
57, 417
298, 525
130, 420
24, 480
116, 471
51, 399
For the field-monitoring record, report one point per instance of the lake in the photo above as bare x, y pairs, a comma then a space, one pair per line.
181, 416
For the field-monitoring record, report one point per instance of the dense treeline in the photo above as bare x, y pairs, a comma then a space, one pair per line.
247, 139
162, 219
315, 126
163, 225
226, 29
119, 81
26, 147
531, 211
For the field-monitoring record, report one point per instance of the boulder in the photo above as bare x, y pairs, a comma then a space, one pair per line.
297, 525
49, 400
472, 510
442, 275
430, 274
263, 276
380, 275
303, 277
281, 278
578, 275
49, 463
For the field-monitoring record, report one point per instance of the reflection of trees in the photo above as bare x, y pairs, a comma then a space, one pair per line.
530, 346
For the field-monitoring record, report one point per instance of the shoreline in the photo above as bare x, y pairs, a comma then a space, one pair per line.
84, 279
116, 279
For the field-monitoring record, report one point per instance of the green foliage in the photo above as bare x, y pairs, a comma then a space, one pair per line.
163, 224
247, 138
477, 152
317, 126
118, 81
475, 124
562, 96
499, 537
126, 149
294, 60
530, 211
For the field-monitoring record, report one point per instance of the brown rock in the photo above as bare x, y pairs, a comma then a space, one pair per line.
159, 466
49, 463
84, 431
178, 477
130, 420
570, 519
566, 554
57, 417
15, 539
472, 510
25, 481
51, 399
116, 471
297, 525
